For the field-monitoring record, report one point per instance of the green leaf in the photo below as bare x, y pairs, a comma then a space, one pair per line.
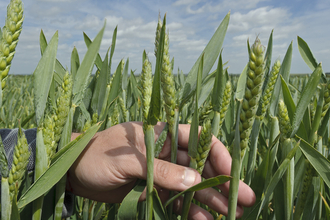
306, 54
327, 208
159, 212
41, 158
277, 177
155, 103
210, 53
128, 207
211, 182
14, 209
206, 88
251, 166
114, 90
42, 41
113, 45
58, 168
124, 82
98, 60
318, 161
5, 199
75, 63
43, 76
285, 72
134, 90
287, 98
219, 86
67, 130
59, 69
193, 134
82, 77
241, 83
305, 98
258, 184
60, 186
324, 124
100, 86
268, 56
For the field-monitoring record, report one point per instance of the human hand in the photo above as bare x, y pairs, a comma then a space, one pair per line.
115, 158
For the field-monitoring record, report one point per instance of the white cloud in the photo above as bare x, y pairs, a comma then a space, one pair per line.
90, 22
185, 2
257, 18
57, 0
239, 4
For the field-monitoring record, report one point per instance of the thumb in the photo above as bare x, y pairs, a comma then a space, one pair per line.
174, 177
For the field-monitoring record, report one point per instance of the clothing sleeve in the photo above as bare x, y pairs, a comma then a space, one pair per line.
9, 140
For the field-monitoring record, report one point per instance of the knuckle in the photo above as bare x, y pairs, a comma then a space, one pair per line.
162, 170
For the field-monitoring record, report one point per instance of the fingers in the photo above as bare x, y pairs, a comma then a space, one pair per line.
174, 177
220, 163
216, 201
195, 212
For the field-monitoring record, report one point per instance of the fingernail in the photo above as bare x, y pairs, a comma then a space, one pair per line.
189, 177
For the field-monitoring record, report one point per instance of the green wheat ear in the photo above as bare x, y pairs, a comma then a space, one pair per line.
265, 100
9, 37
204, 145
146, 81
20, 160
63, 105
168, 85
225, 105
284, 120
253, 90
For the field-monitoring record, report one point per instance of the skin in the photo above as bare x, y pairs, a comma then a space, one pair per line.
116, 157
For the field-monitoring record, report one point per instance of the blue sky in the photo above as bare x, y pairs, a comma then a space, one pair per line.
191, 24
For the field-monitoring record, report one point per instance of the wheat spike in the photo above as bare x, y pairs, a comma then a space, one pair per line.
254, 82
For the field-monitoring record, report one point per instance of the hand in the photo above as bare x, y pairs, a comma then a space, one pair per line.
115, 158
